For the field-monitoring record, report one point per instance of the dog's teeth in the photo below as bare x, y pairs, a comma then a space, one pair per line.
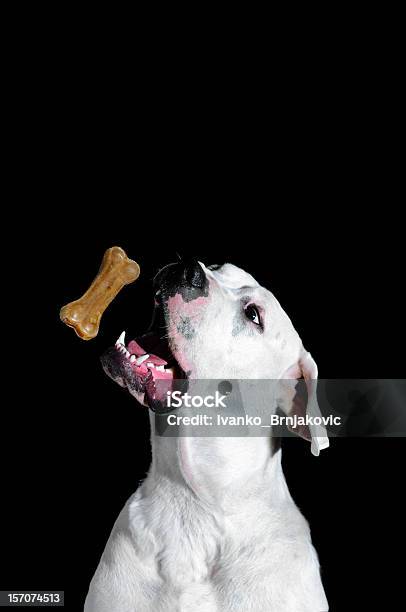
133, 358
161, 368
141, 359
150, 364
121, 339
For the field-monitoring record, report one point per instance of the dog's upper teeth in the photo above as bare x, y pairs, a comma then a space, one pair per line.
123, 350
133, 358
150, 364
121, 338
141, 359
161, 368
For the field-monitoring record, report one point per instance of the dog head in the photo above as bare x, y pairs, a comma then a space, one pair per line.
210, 323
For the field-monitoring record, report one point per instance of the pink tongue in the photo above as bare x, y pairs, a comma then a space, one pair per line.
135, 349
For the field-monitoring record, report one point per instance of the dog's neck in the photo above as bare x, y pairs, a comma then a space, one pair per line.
222, 472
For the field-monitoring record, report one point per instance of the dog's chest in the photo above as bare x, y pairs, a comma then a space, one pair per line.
186, 564
189, 547
186, 547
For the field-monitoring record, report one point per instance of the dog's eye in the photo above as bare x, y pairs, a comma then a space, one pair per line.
251, 312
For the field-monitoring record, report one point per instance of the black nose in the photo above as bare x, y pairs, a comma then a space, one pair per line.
194, 274
187, 273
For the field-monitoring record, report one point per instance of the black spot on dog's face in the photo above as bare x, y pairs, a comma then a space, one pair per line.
186, 328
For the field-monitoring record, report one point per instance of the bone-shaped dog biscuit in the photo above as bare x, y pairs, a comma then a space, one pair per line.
84, 314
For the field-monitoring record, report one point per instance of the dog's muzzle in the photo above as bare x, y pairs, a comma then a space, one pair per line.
146, 365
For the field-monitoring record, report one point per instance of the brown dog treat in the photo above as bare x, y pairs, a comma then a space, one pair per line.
84, 315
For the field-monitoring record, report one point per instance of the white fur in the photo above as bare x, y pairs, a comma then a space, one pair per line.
213, 527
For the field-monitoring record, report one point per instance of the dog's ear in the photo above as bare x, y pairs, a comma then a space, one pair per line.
293, 404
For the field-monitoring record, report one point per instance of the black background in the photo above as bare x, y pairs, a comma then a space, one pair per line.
74, 445
288, 166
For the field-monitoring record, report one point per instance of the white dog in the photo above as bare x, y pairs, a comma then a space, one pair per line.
213, 527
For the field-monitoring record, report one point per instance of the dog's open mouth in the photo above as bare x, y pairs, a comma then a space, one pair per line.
146, 365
